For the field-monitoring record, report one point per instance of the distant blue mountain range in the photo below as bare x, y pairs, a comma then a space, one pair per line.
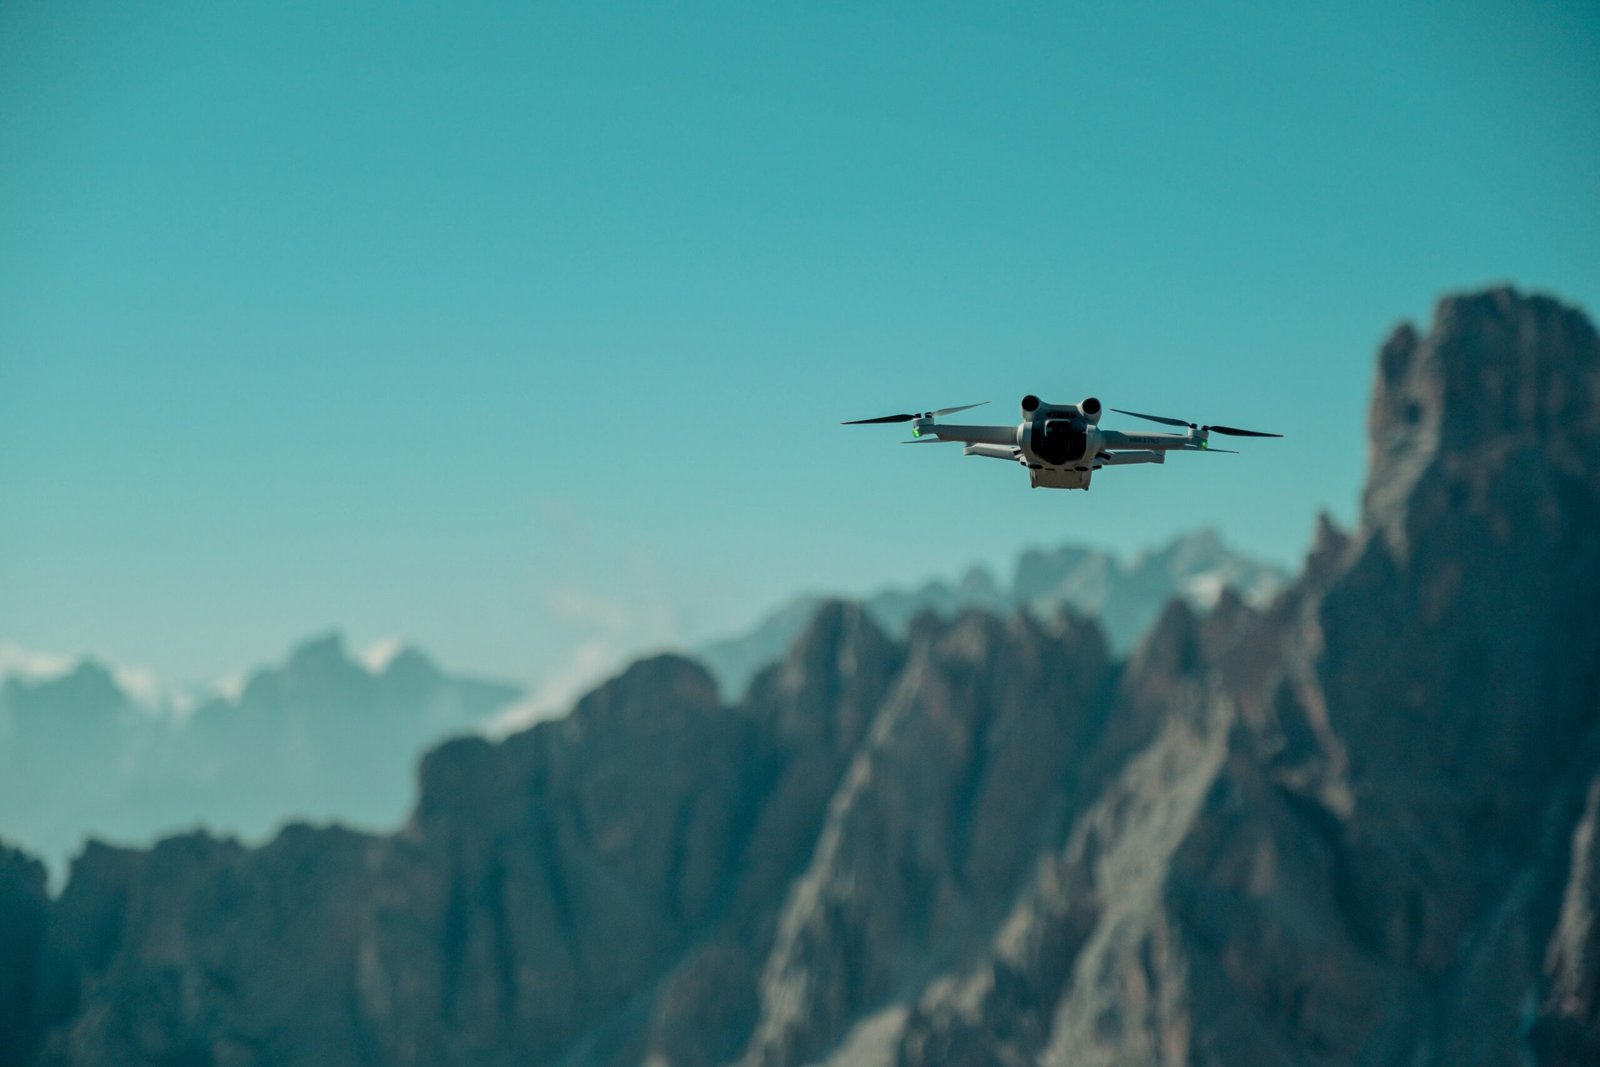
321, 736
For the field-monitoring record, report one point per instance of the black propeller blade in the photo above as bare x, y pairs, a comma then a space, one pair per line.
1156, 418
1231, 432
908, 418
885, 418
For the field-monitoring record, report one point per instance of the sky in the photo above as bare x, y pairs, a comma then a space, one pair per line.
523, 332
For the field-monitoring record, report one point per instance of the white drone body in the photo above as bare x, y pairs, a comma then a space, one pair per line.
1062, 445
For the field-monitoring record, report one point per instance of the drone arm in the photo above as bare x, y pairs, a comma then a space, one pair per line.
971, 435
1120, 439
1112, 459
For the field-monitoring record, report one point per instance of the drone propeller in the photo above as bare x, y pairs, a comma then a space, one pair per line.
919, 415
1231, 432
1156, 418
1228, 430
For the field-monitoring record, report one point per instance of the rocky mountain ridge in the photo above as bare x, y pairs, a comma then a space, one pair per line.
91, 749
1356, 824
1125, 595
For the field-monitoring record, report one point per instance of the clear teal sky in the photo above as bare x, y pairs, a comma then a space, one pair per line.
524, 331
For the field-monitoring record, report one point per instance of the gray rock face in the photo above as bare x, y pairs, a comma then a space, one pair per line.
1377, 787
1354, 824
967, 770
1569, 1017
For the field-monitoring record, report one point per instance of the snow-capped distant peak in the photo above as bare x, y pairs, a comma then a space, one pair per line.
33, 666
380, 653
139, 686
144, 690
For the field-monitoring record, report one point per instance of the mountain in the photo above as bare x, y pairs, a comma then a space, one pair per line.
88, 749
1356, 824
1125, 596
319, 736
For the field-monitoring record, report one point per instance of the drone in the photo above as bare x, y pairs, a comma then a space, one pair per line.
1062, 445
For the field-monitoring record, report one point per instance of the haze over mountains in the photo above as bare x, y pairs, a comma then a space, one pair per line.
1125, 596
91, 750
320, 736
1354, 825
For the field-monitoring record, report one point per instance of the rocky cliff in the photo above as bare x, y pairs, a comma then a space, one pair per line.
1355, 825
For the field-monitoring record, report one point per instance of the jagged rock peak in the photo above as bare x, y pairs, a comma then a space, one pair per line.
834, 628
1501, 381
825, 689
1173, 643
1329, 544
645, 692
1203, 544
411, 663
89, 684
323, 650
